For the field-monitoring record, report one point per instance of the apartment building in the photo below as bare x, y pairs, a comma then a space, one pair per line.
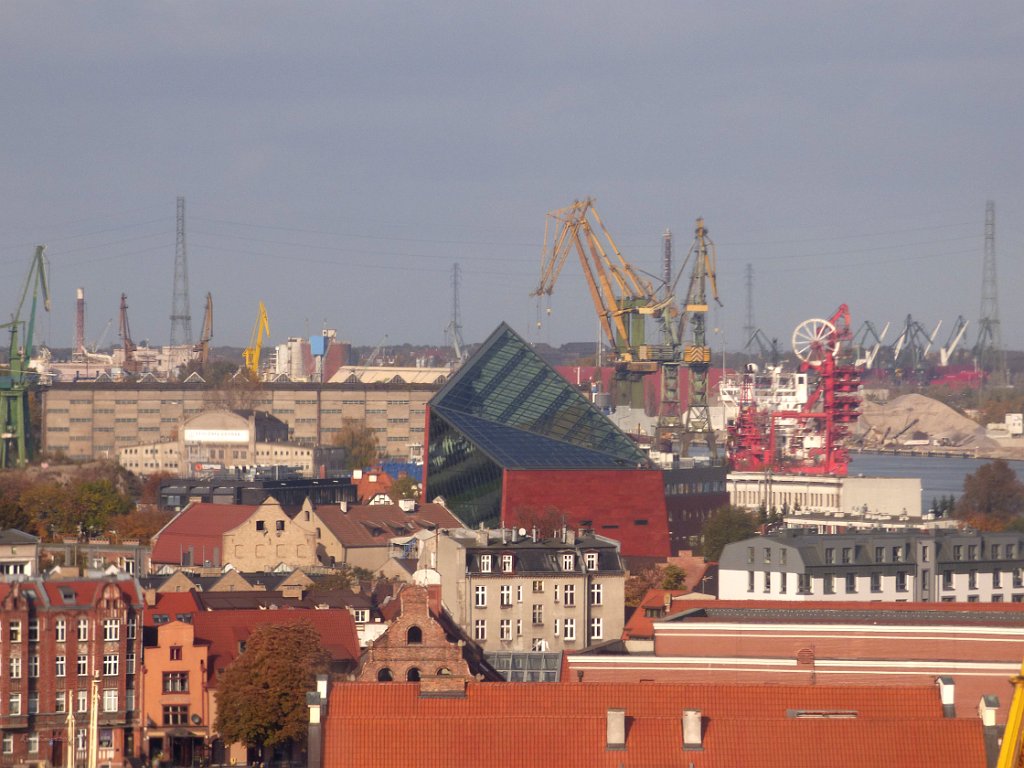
934, 566
93, 420
516, 592
70, 647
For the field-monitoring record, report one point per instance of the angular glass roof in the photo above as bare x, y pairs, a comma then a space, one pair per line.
523, 414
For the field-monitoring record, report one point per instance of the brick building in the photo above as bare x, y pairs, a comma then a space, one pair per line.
61, 643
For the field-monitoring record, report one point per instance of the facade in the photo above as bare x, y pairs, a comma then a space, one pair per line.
510, 439
233, 488
938, 566
974, 649
70, 647
94, 420
220, 440
883, 497
19, 554
511, 592
512, 725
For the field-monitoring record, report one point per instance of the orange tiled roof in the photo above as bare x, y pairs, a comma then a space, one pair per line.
172, 604
200, 527
529, 724
642, 626
375, 525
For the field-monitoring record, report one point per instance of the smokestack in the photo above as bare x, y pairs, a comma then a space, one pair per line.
616, 731
947, 694
79, 321
692, 726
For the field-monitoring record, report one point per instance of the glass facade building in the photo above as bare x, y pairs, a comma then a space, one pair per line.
507, 409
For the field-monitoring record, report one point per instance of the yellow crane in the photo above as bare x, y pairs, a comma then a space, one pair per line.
202, 349
1010, 754
252, 352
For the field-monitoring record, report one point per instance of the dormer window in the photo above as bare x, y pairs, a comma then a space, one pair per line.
590, 559
485, 563
506, 563
568, 562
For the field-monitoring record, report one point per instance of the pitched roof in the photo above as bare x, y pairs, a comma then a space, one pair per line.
200, 528
522, 724
173, 605
640, 625
375, 525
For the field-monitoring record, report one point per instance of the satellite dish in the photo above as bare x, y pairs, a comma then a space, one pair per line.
522, 531
196, 720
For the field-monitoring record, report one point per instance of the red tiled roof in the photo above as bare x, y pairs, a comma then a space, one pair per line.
224, 629
526, 724
86, 590
200, 527
172, 604
642, 626
355, 528
372, 483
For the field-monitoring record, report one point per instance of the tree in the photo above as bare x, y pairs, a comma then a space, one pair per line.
95, 504
261, 697
547, 521
725, 526
993, 497
142, 524
404, 487
360, 444
673, 577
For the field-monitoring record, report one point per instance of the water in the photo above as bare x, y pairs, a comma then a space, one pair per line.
940, 476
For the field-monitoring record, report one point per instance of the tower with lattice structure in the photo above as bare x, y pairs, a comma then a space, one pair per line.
181, 314
988, 350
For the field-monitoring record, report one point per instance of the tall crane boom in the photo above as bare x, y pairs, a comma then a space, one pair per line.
131, 364
252, 352
202, 349
16, 444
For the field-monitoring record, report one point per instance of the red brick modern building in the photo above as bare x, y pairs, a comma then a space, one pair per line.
62, 643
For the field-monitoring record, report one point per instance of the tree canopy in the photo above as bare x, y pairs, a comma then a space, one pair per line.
993, 497
261, 696
359, 442
725, 526
403, 487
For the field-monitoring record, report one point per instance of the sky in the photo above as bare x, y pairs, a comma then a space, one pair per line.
337, 159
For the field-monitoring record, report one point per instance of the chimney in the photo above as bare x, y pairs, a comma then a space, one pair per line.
988, 707
534, 535
434, 598
515, 535
570, 536
357, 474
504, 535
344, 507
79, 321
947, 694
616, 732
317, 703
407, 505
692, 727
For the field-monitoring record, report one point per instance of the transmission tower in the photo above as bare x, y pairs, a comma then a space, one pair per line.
748, 329
988, 351
454, 330
181, 314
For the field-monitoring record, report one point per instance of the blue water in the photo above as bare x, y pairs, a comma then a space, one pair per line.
939, 476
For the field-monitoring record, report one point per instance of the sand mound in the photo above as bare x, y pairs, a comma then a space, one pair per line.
910, 414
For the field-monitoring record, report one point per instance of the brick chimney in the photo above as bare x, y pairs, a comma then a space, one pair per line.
616, 730
434, 599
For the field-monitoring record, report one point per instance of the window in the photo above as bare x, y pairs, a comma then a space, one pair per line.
106, 738
538, 644
782, 556
829, 584
879, 554
590, 560
83, 665
506, 595
8, 743
538, 614
485, 563
111, 630
568, 562
519, 627
176, 714
830, 556
505, 629
851, 583
361, 615
782, 582
33, 630
750, 555
81, 739
804, 584
260, 525
1018, 577
1009, 552
413, 637
83, 630
569, 593
997, 579
876, 582
479, 629
750, 581
924, 553
279, 525
175, 682
596, 594
33, 702
33, 743
947, 579
901, 581
958, 552
59, 666
60, 631
1018, 598
506, 563
972, 598
33, 666
15, 631
175, 650
130, 624
480, 596
14, 704
995, 551
596, 629
972, 551
972, 580
519, 593
129, 700
60, 702
767, 554
538, 586
997, 598
110, 665
847, 555
570, 629
767, 581
110, 699
15, 667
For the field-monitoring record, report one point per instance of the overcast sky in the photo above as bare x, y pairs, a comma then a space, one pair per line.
338, 158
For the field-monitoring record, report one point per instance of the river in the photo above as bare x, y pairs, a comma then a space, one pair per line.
940, 476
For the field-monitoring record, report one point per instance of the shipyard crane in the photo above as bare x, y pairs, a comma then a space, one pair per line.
131, 363
252, 352
621, 298
16, 440
768, 348
202, 349
946, 352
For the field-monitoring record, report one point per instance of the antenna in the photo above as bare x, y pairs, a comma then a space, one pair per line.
181, 315
454, 330
988, 351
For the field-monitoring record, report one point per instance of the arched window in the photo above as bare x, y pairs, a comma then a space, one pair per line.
384, 676
414, 636
413, 675
444, 671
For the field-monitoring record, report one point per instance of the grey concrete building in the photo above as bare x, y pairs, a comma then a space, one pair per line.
934, 566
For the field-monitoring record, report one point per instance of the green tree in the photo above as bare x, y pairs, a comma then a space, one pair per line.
404, 487
673, 577
725, 526
360, 444
993, 497
12, 513
637, 585
95, 504
261, 697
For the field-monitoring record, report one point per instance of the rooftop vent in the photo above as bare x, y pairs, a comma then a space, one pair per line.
693, 730
616, 729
